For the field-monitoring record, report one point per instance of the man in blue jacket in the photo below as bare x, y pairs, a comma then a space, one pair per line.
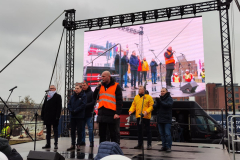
133, 67
76, 107
154, 65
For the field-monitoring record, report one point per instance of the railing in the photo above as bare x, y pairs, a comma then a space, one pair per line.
232, 136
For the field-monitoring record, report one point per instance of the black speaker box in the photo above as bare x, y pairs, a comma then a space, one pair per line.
189, 87
40, 155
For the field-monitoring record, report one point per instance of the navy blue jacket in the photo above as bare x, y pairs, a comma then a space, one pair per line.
108, 148
163, 106
133, 62
153, 65
77, 104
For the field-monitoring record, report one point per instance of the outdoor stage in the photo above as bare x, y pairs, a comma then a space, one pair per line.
180, 151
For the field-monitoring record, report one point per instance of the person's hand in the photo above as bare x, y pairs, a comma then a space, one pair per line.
145, 113
130, 113
99, 85
116, 116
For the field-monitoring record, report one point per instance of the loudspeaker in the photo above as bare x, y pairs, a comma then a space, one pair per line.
189, 87
39, 155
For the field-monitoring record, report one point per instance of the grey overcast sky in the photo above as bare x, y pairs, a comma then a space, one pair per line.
21, 21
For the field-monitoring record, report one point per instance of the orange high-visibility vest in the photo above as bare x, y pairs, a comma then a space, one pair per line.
107, 98
169, 60
176, 79
188, 77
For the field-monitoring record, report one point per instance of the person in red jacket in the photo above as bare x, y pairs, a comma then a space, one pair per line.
188, 76
139, 71
176, 78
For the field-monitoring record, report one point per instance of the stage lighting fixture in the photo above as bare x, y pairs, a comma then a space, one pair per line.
132, 18
89, 24
194, 9
144, 16
156, 14
121, 19
110, 21
168, 11
100, 22
182, 11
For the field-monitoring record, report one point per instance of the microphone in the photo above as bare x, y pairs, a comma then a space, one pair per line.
99, 85
181, 53
47, 90
13, 88
151, 50
136, 44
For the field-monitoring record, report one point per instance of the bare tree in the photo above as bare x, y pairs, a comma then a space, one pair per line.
57, 80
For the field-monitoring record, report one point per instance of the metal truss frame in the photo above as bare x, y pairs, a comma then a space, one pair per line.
69, 65
191, 9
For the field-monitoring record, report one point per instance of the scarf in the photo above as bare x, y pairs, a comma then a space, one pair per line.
50, 95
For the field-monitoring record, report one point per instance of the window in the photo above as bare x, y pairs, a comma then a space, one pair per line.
236, 89
236, 95
237, 101
211, 125
229, 95
202, 123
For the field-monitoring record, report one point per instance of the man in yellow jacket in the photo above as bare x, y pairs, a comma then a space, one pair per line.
147, 109
145, 69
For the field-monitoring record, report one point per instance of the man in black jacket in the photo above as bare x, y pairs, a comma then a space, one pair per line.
76, 107
51, 111
88, 114
164, 118
109, 95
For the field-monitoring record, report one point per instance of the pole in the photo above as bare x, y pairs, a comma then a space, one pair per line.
36, 114
223, 129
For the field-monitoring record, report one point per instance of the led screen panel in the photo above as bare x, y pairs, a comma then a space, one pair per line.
167, 54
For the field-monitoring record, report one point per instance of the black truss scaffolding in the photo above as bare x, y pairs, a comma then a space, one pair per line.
191, 9
226, 57
69, 64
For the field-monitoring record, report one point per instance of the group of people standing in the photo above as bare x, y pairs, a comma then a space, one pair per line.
108, 95
138, 70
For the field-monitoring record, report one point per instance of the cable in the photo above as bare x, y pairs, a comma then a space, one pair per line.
52, 72
175, 37
30, 43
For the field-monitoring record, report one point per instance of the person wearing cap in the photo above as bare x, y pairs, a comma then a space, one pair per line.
188, 76
176, 78
5, 133
170, 64
202, 74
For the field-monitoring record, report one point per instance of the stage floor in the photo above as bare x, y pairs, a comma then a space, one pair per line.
180, 151
155, 89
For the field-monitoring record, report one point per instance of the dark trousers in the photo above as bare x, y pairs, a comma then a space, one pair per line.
144, 75
168, 76
103, 131
146, 123
117, 127
76, 123
139, 77
133, 78
48, 136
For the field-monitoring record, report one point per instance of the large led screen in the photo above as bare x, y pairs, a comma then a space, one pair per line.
163, 54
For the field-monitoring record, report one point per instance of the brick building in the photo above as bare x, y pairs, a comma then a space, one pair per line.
215, 97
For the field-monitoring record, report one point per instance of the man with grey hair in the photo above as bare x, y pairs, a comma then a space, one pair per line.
51, 112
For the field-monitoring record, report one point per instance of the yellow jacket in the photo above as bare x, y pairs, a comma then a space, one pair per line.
137, 105
145, 66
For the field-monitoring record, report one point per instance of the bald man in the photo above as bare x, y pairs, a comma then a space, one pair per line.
109, 108
170, 64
